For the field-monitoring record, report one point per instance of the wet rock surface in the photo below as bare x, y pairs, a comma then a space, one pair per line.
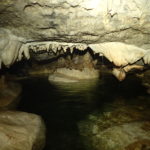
125, 127
67, 67
21, 131
75, 114
74, 68
72, 75
18, 130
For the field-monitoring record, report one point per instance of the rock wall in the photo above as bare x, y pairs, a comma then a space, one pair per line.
62, 24
84, 21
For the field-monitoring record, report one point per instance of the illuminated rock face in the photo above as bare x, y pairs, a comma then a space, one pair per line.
21, 131
72, 75
61, 24
87, 21
122, 128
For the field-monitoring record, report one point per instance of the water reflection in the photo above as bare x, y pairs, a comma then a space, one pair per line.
81, 86
64, 105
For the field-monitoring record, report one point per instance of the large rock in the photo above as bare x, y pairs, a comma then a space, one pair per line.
123, 136
85, 21
122, 128
129, 136
21, 131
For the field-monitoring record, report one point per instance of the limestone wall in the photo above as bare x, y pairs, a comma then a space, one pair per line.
85, 21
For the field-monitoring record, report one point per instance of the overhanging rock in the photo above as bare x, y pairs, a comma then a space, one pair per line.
83, 21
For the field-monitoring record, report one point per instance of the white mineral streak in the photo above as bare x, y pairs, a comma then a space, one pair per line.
122, 55
119, 53
24, 51
71, 49
146, 58
65, 47
59, 47
134, 66
9, 53
9, 47
119, 73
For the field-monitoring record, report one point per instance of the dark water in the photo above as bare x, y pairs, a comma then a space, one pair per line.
62, 106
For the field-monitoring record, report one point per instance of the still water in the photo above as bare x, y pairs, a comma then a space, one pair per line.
64, 105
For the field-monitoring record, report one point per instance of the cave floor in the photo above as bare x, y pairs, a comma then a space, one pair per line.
64, 105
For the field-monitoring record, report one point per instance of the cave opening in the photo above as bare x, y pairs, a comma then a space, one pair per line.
64, 106
67, 108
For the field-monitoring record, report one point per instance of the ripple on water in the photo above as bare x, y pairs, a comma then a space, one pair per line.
63, 106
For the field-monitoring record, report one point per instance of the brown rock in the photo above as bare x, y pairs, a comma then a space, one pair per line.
21, 131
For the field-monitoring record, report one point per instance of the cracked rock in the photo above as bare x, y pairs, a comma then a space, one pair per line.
83, 21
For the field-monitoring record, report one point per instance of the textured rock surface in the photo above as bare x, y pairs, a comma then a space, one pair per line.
119, 53
21, 131
86, 21
122, 128
72, 75
147, 58
9, 47
74, 68
125, 135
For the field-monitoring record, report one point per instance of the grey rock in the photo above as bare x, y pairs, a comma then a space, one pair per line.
82, 21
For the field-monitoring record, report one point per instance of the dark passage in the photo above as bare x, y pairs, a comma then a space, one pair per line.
62, 106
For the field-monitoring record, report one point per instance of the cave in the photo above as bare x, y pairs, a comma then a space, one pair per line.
74, 75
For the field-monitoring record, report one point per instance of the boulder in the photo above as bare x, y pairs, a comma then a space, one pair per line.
21, 131
122, 128
123, 137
